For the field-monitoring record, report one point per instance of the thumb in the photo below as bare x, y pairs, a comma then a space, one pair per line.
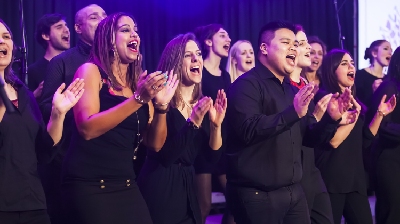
383, 99
61, 88
143, 75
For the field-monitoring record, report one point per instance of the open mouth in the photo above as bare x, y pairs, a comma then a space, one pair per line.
316, 63
291, 58
351, 75
195, 69
3, 52
249, 62
307, 55
388, 58
133, 45
65, 38
227, 46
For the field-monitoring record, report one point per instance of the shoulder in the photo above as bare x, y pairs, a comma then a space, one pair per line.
87, 70
68, 54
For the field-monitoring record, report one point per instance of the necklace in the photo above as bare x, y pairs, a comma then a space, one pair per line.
139, 139
189, 106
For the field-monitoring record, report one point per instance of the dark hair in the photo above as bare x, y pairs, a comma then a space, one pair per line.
329, 80
374, 47
172, 58
394, 66
104, 51
298, 28
9, 76
315, 39
43, 26
267, 32
204, 33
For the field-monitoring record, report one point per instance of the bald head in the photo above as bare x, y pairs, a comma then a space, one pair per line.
86, 21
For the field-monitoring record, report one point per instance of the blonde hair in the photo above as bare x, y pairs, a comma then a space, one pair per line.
231, 68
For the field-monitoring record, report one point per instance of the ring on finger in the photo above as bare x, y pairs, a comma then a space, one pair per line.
154, 87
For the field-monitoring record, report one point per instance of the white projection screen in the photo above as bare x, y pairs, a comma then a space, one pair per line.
377, 19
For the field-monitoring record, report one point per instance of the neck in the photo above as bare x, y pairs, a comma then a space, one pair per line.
85, 41
239, 73
2, 73
186, 92
51, 52
212, 61
376, 69
266, 64
311, 76
295, 75
119, 70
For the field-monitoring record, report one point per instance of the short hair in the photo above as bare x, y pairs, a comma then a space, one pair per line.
78, 15
43, 26
267, 32
204, 33
374, 47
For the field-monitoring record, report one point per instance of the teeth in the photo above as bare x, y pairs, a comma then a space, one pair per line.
194, 67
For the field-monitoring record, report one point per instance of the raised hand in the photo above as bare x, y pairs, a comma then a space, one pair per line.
339, 104
38, 91
376, 84
217, 112
200, 109
388, 107
64, 101
303, 98
149, 85
321, 107
165, 95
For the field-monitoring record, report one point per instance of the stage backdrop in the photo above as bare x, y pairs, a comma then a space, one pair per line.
160, 20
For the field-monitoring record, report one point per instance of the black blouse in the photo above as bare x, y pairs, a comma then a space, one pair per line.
24, 142
363, 82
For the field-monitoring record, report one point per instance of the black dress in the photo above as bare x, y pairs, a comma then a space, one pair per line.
210, 84
167, 177
98, 177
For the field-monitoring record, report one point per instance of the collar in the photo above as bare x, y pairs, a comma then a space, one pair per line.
83, 47
264, 73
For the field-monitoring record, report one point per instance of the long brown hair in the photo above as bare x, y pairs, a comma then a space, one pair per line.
172, 58
9, 76
104, 51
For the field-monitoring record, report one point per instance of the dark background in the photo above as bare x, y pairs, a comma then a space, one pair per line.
160, 20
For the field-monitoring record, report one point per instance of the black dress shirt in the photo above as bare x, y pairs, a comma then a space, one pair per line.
265, 136
23, 142
61, 69
36, 73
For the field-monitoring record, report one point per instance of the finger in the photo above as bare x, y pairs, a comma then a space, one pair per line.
142, 76
150, 77
73, 83
172, 80
61, 88
307, 91
79, 88
393, 101
75, 86
383, 100
309, 98
80, 94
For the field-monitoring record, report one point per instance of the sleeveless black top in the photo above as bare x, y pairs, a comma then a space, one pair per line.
110, 155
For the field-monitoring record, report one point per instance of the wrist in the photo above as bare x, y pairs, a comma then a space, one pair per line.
379, 113
139, 99
161, 110
56, 114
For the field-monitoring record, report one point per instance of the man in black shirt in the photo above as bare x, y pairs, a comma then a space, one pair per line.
264, 119
61, 69
53, 34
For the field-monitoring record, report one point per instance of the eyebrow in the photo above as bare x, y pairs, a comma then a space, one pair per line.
222, 32
347, 61
124, 25
191, 51
93, 13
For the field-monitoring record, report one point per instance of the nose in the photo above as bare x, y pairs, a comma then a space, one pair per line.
194, 58
134, 34
229, 39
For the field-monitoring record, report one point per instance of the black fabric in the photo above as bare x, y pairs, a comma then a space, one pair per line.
27, 217
284, 205
167, 177
24, 142
210, 85
320, 209
108, 159
36, 73
265, 136
363, 82
353, 206
386, 156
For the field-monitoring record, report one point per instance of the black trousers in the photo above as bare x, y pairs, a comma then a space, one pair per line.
50, 175
25, 217
353, 206
387, 209
320, 209
252, 206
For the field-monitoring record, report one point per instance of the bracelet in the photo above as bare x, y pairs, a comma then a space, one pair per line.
138, 99
161, 104
191, 124
159, 111
381, 113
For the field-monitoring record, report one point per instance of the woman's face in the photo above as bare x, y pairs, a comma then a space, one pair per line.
244, 58
383, 54
220, 43
127, 41
303, 50
6, 47
346, 72
192, 65
316, 56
